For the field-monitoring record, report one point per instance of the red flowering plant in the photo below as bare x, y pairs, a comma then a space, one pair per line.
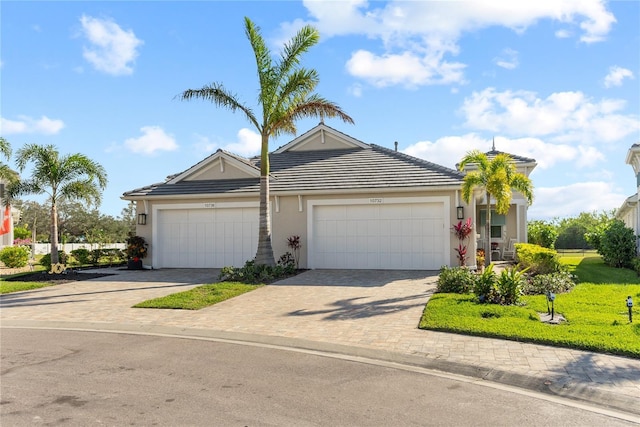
462, 230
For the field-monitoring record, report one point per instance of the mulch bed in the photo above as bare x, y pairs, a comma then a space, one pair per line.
68, 276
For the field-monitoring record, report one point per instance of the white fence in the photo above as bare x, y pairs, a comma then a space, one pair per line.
45, 248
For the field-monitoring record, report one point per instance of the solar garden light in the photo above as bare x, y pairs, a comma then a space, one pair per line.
551, 297
630, 305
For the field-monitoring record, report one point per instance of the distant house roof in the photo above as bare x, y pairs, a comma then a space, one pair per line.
517, 159
359, 166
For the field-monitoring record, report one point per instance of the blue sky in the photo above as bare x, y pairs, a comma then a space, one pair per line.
555, 80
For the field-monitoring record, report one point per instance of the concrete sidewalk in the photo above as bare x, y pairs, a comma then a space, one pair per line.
372, 314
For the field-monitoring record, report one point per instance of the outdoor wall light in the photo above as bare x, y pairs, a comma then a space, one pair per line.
142, 219
460, 212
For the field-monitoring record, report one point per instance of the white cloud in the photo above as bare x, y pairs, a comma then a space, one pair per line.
44, 125
112, 50
570, 200
416, 36
508, 59
153, 139
449, 150
563, 116
616, 76
247, 145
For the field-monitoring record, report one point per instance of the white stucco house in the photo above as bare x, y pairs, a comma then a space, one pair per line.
628, 212
354, 205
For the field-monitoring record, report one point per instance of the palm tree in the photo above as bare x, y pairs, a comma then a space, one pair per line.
7, 174
286, 95
72, 177
496, 177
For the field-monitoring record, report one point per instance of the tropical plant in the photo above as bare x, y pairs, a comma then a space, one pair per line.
137, 247
294, 243
68, 177
6, 173
462, 230
484, 285
285, 96
509, 286
496, 177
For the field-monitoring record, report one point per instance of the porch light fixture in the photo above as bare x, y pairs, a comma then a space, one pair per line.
142, 219
460, 212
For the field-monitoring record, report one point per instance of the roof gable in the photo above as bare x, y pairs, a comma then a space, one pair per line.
321, 137
221, 165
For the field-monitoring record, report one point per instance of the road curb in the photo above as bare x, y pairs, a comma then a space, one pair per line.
559, 386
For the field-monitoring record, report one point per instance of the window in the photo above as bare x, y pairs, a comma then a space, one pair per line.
496, 231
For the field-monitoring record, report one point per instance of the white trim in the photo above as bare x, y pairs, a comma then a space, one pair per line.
251, 171
445, 200
299, 203
303, 139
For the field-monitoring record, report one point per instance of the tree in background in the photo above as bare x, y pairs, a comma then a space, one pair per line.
542, 233
617, 245
6, 173
62, 178
496, 177
286, 94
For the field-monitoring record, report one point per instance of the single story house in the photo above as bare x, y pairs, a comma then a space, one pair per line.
628, 212
354, 205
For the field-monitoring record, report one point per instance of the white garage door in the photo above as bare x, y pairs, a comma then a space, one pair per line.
206, 238
384, 236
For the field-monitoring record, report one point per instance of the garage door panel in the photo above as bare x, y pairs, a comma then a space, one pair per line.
206, 238
393, 236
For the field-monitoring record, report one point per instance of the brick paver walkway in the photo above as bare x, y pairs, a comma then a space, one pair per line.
358, 310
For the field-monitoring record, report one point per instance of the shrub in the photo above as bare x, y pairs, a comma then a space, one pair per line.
15, 256
558, 282
46, 259
536, 259
509, 286
484, 285
635, 264
81, 255
542, 233
617, 245
457, 280
137, 247
256, 273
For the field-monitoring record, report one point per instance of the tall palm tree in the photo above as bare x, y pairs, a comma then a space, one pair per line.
496, 177
7, 175
285, 95
70, 177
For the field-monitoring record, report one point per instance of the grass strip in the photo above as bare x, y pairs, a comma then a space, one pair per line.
199, 297
596, 314
9, 287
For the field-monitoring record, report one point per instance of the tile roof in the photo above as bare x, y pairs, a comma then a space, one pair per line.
517, 159
374, 167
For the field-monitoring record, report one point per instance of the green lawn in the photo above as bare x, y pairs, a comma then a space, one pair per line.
200, 297
597, 317
8, 287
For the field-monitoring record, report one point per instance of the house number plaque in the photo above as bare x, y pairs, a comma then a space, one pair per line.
375, 200
209, 205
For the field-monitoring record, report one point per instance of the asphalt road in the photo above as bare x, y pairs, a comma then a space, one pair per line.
73, 378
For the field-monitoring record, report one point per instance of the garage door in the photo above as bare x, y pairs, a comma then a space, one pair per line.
206, 238
385, 236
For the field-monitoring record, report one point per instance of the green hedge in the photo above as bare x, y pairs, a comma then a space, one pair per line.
536, 259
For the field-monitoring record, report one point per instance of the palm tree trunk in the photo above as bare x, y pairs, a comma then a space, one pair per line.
54, 234
264, 255
487, 258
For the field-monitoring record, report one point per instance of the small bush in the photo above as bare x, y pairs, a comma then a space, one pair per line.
537, 260
15, 256
509, 286
45, 261
557, 283
635, 265
82, 256
457, 280
256, 273
484, 285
